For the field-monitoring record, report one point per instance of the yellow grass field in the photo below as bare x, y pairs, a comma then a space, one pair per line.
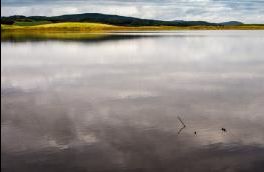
98, 28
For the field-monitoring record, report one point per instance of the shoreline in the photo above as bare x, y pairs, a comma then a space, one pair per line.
105, 28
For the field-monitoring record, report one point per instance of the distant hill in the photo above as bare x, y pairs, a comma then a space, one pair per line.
110, 19
232, 23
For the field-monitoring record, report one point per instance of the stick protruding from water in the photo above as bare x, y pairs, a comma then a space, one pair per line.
181, 121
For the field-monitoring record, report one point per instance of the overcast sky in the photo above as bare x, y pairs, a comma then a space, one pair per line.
248, 11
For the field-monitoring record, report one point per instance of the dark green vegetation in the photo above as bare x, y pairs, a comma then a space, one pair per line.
107, 19
32, 23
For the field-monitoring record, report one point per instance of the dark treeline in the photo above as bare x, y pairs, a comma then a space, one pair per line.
110, 19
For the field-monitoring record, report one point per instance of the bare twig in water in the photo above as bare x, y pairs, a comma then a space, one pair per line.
182, 124
181, 121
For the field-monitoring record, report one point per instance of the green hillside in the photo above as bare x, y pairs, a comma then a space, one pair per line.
106, 19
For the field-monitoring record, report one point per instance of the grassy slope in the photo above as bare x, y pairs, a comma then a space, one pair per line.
96, 27
69, 26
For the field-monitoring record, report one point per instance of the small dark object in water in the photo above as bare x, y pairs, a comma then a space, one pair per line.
195, 132
223, 129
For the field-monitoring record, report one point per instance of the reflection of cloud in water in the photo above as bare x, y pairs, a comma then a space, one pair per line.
113, 106
136, 56
127, 147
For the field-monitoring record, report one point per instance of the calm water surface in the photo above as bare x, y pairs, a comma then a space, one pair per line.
112, 104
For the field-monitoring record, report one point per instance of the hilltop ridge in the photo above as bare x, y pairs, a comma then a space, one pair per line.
110, 19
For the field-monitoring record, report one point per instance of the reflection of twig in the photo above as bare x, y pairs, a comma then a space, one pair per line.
180, 130
181, 121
